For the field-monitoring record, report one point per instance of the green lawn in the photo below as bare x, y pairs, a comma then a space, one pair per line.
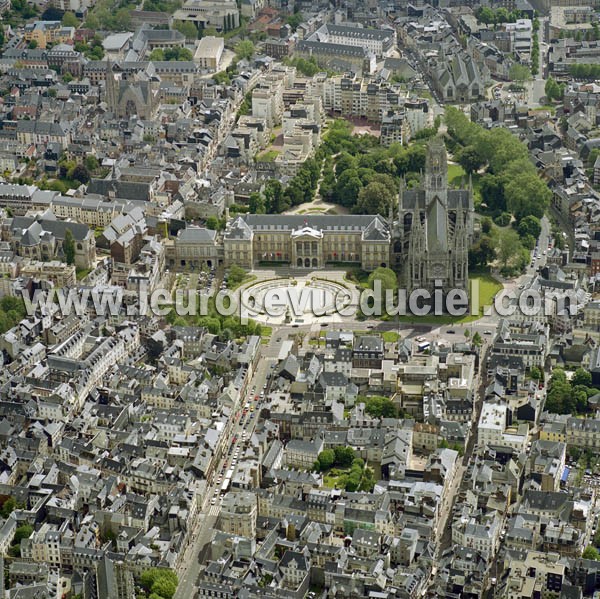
335, 478
488, 288
268, 156
390, 336
455, 174
81, 273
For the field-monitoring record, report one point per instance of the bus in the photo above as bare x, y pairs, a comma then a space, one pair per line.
226, 482
423, 346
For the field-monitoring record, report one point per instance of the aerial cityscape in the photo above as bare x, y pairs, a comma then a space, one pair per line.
299, 300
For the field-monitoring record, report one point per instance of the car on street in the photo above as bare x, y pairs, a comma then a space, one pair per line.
450, 332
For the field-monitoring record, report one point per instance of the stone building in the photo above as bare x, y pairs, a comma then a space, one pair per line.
310, 241
434, 229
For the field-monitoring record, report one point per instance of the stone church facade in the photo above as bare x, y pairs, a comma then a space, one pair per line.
434, 229
131, 94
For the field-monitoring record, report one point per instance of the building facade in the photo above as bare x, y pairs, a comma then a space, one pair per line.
310, 241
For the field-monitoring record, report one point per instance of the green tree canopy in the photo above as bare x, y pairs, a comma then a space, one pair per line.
375, 198
344, 456
244, 49
379, 407
581, 377
70, 20
387, 276
530, 225
159, 581
326, 459
236, 277
591, 552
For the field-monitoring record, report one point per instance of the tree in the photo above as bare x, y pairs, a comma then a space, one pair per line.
8, 507
69, 247
70, 20
157, 55
470, 159
380, 407
256, 203
244, 49
91, 162
67, 77
33, 45
375, 198
22, 532
344, 456
530, 225
326, 459
79, 173
482, 252
237, 275
527, 195
274, 198
519, 72
536, 373
591, 552
477, 340
581, 377
486, 225
159, 581
294, 20
187, 28
553, 90
508, 247
387, 276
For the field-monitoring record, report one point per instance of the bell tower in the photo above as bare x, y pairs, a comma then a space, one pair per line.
436, 171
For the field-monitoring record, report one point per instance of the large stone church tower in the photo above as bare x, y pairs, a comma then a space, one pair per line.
434, 229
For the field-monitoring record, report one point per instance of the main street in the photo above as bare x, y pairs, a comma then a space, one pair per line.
202, 529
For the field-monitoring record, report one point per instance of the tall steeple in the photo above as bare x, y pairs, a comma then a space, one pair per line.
436, 170
110, 87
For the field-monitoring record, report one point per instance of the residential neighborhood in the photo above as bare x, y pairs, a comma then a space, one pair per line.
299, 300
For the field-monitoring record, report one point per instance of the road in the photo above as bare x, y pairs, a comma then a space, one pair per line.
207, 520
536, 87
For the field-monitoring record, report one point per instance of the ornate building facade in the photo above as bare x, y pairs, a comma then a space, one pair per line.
131, 94
434, 229
310, 241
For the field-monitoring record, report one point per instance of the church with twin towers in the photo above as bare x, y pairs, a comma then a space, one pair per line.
425, 237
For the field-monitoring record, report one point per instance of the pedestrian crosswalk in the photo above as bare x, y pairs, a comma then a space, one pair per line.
214, 509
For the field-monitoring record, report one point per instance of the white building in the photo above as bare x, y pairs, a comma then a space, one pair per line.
209, 52
492, 424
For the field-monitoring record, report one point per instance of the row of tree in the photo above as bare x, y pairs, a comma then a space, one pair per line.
489, 16
170, 54
584, 71
353, 171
